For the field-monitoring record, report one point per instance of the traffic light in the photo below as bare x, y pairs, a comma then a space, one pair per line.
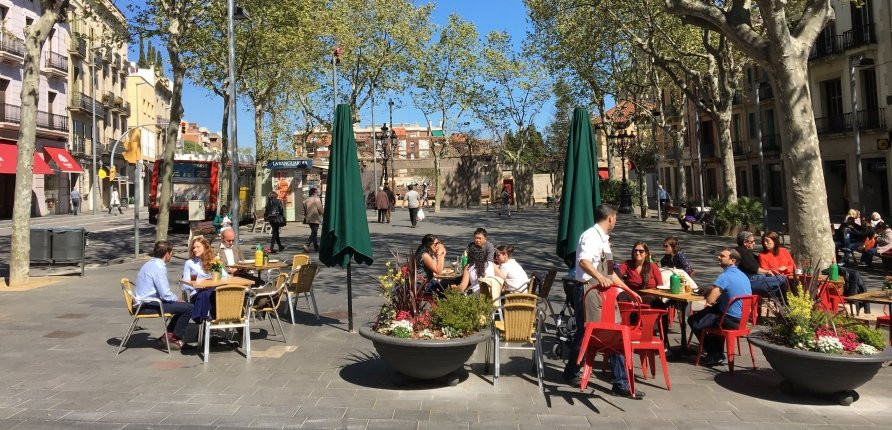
133, 147
183, 127
111, 173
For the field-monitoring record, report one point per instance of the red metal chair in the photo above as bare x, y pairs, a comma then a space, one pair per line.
883, 320
605, 336
830, 299
647, 344
731, 335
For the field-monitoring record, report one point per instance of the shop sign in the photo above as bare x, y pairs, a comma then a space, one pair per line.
302, 163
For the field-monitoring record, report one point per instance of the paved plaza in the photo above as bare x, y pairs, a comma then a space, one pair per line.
58, 367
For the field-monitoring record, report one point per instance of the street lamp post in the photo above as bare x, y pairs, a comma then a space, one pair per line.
376, 183
854, 63
384, 146
335, 60
392, 152
625, 197
94, 193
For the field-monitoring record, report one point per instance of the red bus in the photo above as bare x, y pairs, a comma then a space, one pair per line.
197, 177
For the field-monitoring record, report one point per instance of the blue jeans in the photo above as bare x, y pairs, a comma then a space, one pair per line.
867, 256
768, 285
181, 311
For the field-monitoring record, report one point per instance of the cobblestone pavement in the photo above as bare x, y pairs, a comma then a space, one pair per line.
59, 368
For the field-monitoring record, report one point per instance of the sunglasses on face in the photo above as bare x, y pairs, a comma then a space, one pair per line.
639, 251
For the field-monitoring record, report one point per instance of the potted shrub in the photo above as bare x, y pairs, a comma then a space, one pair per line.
423, 336
820, 352
749, 214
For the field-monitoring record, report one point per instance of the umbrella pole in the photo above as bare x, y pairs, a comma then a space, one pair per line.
349, 299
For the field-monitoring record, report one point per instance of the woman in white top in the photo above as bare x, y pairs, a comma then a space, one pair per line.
516, 280
199, 265
477, 268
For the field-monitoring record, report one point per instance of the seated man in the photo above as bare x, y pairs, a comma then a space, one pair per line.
731, 283
230, 253
480, 241
762, 281
152, 283
222, 219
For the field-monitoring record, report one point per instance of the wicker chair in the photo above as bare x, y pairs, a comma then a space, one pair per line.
519, 328
231, 312
302, 283
267, 301
137, 313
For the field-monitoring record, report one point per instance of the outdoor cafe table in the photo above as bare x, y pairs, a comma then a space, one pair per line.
681, 302
879, 297
249, 265
210, 283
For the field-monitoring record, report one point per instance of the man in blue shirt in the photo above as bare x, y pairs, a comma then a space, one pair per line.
731, 283
151, 283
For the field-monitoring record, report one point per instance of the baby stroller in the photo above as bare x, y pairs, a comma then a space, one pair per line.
564, 323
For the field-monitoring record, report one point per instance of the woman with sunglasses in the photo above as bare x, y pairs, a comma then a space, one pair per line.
639, 272
674, 258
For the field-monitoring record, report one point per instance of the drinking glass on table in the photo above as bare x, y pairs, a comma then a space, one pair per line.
193, 276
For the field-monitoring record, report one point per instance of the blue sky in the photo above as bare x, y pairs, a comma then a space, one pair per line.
206, 109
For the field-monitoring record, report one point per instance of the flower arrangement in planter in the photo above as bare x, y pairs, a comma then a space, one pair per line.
410, 313
817, 350
801, 324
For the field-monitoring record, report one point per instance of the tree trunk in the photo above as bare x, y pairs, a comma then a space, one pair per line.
438, 194
176, 114
809, 219
260, 158
642, 194
35, 36
722, 120
681, 182
226, 172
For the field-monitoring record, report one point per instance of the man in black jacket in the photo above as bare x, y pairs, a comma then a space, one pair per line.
762, 281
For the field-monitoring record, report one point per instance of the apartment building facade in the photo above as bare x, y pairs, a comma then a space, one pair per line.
98, 87
854, 52
53, 169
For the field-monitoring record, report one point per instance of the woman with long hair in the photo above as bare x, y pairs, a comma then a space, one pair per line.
275, 215
673, 256
478, 267
199, 263
774, 256
639, 272
516, 279
430, 257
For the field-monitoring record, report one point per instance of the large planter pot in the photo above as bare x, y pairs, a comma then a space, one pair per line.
828, 374
424, 359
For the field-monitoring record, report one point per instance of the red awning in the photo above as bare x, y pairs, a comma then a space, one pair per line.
602, 172
63, 159
10, 153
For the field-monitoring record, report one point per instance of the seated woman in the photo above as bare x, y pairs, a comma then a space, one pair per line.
639, 272
199, 265
674, 258
516, 280
774, 257
222, 219
430, 259
478, 267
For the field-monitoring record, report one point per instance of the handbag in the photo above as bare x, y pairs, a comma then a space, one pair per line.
420, 215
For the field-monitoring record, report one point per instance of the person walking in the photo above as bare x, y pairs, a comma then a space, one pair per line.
313, 217
115, 202
505, 196
75, 201
275, 215
663, 196
392, 199
382, 203
413, 200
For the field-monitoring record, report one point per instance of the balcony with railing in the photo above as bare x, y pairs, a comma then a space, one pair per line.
12, 114
78, 145
56, 65
125, 108
771, 142
707, 151
866, 35
78, 47
872, 119
12, 49
108, 99
826, 46
84, 103
116, 60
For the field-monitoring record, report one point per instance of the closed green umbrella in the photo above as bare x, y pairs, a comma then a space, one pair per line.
345, 228
582, 192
